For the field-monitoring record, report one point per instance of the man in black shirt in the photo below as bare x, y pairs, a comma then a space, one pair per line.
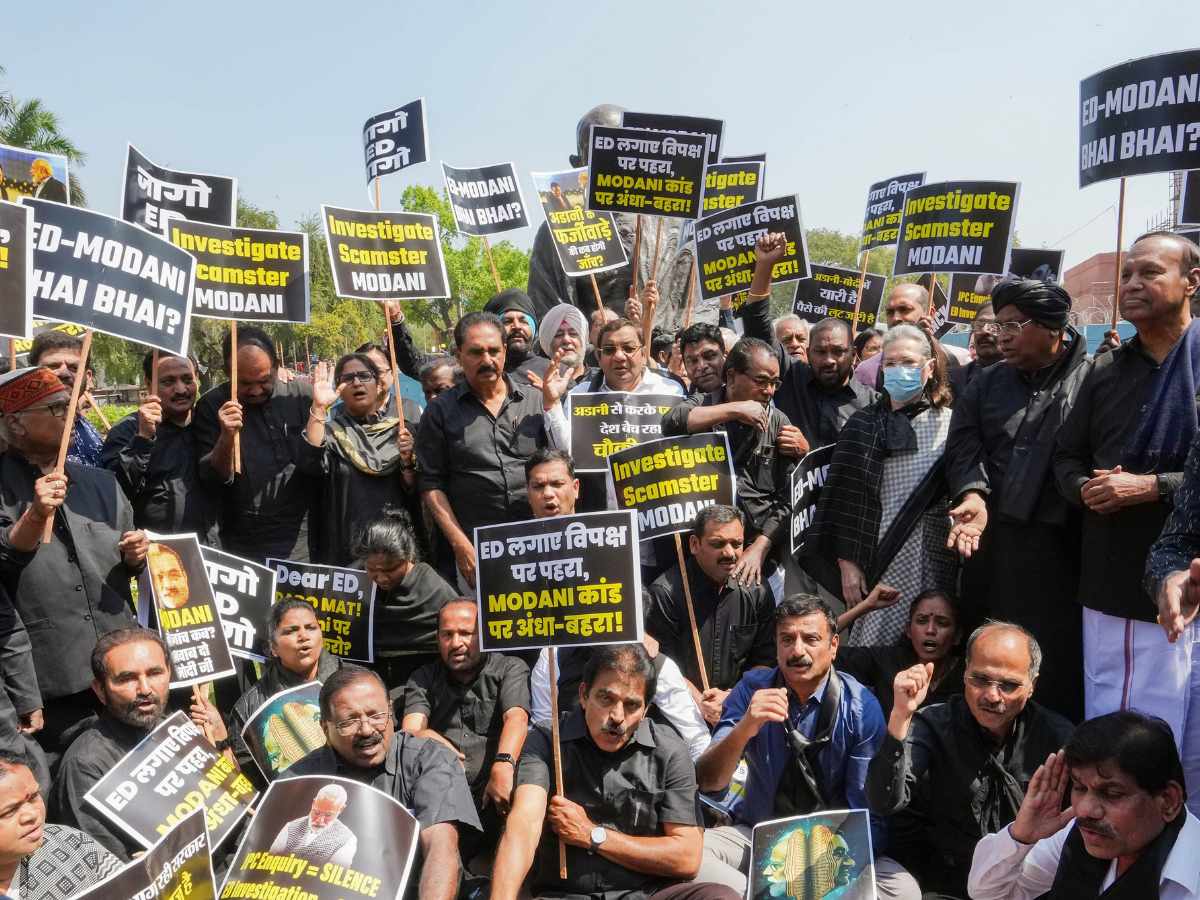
421, 774
736, 621
475, 704
1120, 456
265, 506
473, 443
703, 352
153, 454
628, 812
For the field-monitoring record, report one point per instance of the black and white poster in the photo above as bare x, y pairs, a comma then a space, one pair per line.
395, 139
710, 129
808, 477
177, 867
957, 226
605, 423
16, 270
725, 245
1140, 117
486, 200
110, 276
632, 170
154, 196
245, 592
1042, 265
385, 255
831, 292
885, 206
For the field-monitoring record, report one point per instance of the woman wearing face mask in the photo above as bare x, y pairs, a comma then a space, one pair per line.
933, 635
883, 511
366, 457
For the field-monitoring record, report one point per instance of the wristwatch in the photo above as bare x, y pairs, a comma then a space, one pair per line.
505, 757
599, 836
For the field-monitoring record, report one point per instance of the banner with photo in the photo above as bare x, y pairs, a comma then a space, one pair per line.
177, 867
248, 274
586, 241
170, 773
338, 595
1043, 265
957, 226
285, 729
365, 845
395, 139
725, 245
631, 170
807, 480
668, 481
154, 197
244, 592
1140, 117
823, 854
604, 423
710, 129
831, 293
486, 200
110, 276
33, 173
559, 582
16, 270
384, 255
885, 206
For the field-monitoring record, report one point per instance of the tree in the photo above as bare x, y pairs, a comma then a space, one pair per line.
30, 125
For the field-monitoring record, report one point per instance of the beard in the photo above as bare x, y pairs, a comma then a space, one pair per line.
129, 713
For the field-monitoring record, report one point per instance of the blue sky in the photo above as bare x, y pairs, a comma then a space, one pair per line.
837, 94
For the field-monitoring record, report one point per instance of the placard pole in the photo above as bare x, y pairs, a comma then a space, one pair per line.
1116, 310
636, 261
556, 748
657, 249
105, 425
862, 280
691, 610
596, 292
233, 382
12, 354
69, 423
491, 262
154, 371
690, 306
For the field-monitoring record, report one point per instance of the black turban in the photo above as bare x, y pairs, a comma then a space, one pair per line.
1043, 301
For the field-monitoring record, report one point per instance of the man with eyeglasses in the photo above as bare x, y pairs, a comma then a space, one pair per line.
985, 339
75, 588
422, 774
1019, 535
950, 773
60, 352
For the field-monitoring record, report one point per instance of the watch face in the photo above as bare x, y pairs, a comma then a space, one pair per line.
598, 835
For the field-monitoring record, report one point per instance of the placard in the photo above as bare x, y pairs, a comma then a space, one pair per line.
725, 245
964, 302
24, 345
632, 170
339, 597
558, 582
830, 292
367, 853
33, 173
823, 854
395, 139
175, 580
244, 592
604, 423
154, 197
728, 184
885, 207
586, 241
170, 773
384, 255
486, 200
177, 867
1189, 199
1042, 265
248, 274
16, 270
110, 276
668, 481
710, 129
957, 226
807, 480
1139, 117
285, 729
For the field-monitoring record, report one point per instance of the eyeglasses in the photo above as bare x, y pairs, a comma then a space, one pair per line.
58, 409
375, 722
1011, 329
362, 377
627, 349
765, 381
982, 682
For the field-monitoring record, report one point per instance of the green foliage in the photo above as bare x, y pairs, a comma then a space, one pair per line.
29, 124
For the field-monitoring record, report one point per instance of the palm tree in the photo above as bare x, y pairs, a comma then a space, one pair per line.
28, 124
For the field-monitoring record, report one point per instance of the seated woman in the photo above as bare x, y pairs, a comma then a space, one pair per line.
297, 656
408, 595
933, 635
883, 511
368, 460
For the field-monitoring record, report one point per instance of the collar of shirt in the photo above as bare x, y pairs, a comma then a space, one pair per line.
818, 696
463, 392
574, 728
651, 383
1181, 865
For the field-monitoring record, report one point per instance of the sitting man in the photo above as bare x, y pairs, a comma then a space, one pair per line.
475, 704
1132, 836
131, 677
628, 813
806, 733
422, 774
736, 621
40, 861
950, 773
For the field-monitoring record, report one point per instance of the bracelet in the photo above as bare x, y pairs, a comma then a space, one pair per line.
225, 743
754, 296
319, 418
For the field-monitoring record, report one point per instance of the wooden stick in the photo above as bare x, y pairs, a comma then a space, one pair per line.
12, 354
637, 262
378, 194
69, 423
691, 611
154, 371
1116, 311
556, 748
233, 381
648, 326
862, 279
391, 345
491, 262
596, 293
105, 425
689, 307
657, 249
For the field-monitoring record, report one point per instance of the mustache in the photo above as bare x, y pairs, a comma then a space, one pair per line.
487, 367
1097, 826
614, 730
799, 661
366, 742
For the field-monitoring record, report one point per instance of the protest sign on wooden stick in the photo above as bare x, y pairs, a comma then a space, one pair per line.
1116, 310
69, 422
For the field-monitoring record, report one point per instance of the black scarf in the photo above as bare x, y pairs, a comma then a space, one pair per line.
800, 787
1080, 874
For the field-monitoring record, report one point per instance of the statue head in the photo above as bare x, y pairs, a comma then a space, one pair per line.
604, 114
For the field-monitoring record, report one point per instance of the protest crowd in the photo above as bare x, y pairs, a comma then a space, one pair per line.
805, 567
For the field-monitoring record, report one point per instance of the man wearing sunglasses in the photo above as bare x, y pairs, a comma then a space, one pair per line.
950, 773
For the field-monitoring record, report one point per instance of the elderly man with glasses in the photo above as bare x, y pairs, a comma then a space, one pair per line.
420, 773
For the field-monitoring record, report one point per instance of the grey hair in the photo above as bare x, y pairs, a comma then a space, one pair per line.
1035, 649
908, 332
334, 792
790, 317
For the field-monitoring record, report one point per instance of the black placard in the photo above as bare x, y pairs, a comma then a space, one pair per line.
16, 270
807, 480
395, 139
632, 170
605, 423
343, 599
155, 196
885, 206
178, 866
710, 129
1189, 200
1044, 265
957, 226
586, 241
831, 292
244, 592
964, 302
725, 245
486, 200
384, 255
